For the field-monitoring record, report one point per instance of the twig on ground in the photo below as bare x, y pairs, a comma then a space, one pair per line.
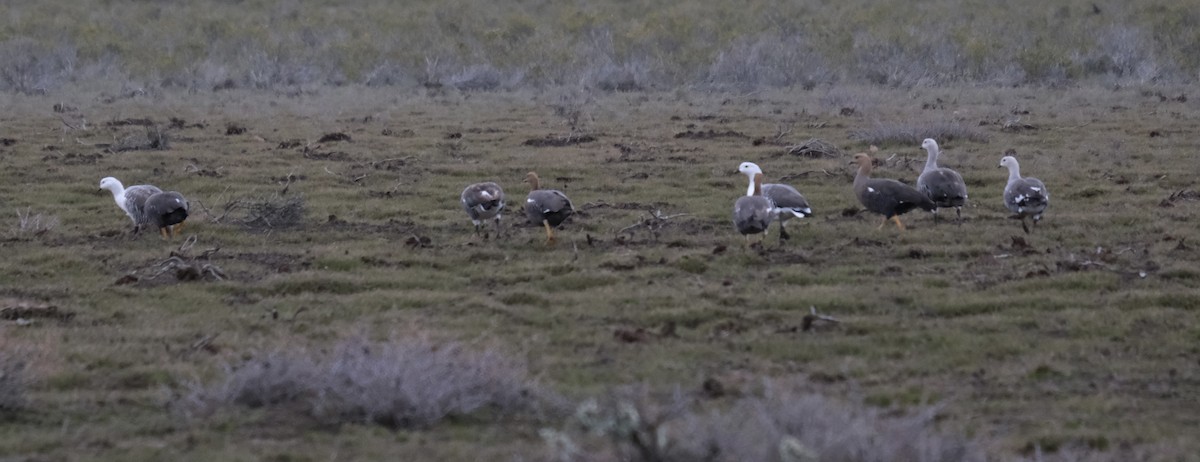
812, 317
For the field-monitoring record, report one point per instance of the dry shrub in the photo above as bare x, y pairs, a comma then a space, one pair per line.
402, 384
153, 139
272, 212
780, 424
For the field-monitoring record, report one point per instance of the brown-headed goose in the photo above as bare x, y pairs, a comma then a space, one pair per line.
1025, 197
889, 198
166, 211
786, 201
131, 200
944, 187
483, 201
752, 213
550, 207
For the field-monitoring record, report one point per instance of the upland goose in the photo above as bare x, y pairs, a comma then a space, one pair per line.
166, 211
131, 200
1025, 197
787, 201
550, 207
483, 201
889, 198
945, 187
752, 213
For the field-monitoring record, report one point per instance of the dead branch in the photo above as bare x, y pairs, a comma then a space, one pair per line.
804, 174
655, 222
812, 317
815, 148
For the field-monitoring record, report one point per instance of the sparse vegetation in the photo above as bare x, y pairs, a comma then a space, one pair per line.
779, 423
214, 46
29, 223
401, 384
328, 208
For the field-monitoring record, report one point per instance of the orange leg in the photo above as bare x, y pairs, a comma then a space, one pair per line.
898, 223
549, 232
163, 231
179, 228
884, 222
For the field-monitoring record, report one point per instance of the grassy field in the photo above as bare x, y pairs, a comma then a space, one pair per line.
1082, 335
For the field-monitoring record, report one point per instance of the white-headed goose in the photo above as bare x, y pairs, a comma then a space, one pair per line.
945, 187
886, 197
131, 200
483, 201
550, 207
166, 211
1025, 197
752, 213
786, 201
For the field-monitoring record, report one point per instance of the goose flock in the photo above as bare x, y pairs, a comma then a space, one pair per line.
937, 187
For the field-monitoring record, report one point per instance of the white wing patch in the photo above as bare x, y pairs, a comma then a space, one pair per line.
528, 201
1035, 189
870, 189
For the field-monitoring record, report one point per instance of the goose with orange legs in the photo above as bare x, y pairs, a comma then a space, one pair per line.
547, 207
886, 197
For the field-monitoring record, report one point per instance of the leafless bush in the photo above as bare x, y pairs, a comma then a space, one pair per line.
12, 381
770, 60
913, 133
35, 224
27, 66
1126, 54
272, 212
407, 384
154, 138
780, 424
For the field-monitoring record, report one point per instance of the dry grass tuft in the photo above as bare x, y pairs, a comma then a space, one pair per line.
402, 384
29, 223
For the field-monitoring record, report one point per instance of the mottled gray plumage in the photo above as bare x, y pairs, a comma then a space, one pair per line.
548, 207
786, 201
131, 200
945, 187
483, 201
752, 213
886, 197
166, 211
1025, 197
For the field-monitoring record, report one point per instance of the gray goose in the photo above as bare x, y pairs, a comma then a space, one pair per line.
483, 201
752, 213
1025, 197
166, 211
889, 198
131, 200
787, 202
550, 207
945, 187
